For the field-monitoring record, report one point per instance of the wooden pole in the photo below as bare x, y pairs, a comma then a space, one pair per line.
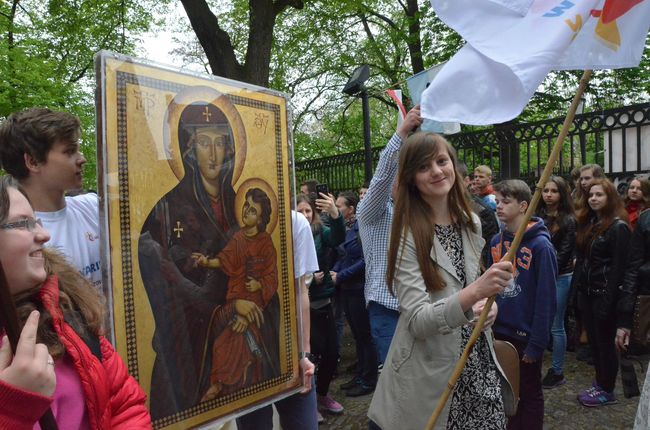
9, 321
552, 159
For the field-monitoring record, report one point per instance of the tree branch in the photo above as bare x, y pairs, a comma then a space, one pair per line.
280, 5
216, 43
401, 3
373, 42
384, 18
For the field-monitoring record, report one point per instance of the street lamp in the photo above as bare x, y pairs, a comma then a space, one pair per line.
355, 88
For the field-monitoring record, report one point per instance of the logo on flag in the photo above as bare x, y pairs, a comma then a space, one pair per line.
606, 28
513, 44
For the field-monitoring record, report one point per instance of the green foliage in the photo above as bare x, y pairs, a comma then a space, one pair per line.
47, 50
317, 48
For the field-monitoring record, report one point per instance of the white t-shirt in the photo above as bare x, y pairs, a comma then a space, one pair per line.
304, 250
74, 233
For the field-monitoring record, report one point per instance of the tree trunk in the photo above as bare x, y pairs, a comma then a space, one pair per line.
215, 42
260, 41
218, 47
414, 40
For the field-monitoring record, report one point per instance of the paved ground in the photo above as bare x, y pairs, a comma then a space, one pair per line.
562, 411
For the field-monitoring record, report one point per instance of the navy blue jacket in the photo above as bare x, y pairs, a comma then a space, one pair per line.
527, 306
351, 267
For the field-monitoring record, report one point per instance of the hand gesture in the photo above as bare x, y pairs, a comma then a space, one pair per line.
250, 311
200, 260
308, 369
493, 281
239, 324
412, 121
253, 285
327, 203
32, 367
477, 308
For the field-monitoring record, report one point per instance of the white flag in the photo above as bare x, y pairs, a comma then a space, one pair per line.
416, 85
513, 44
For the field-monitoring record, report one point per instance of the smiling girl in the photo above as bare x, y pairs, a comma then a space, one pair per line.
433, 269
61, 361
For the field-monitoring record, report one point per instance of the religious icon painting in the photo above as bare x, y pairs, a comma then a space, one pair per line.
195, 184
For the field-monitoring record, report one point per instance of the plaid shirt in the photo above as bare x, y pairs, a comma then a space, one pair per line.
375, 214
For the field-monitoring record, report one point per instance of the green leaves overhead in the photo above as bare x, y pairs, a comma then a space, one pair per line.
47, 49
306, 48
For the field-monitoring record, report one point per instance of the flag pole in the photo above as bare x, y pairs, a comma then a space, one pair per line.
510, 255
9, 322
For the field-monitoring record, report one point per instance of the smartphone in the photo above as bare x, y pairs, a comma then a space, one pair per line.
322, 188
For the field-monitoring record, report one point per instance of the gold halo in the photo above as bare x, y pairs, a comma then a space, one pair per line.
209, 95
264, 186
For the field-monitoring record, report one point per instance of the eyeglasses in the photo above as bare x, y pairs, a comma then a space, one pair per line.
23, 224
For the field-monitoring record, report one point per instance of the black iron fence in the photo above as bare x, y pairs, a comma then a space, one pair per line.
617, 139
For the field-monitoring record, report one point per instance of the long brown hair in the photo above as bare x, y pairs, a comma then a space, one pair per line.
564, 207
412, 213
315, 223
644, 184
590, 224
82, 306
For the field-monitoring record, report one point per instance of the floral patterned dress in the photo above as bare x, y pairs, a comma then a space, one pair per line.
476, 402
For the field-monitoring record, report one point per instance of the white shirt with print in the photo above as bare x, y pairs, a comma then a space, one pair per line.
74, 233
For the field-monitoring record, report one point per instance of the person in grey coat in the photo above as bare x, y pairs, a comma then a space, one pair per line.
433, 269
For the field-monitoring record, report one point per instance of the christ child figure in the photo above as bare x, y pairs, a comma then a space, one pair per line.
249, 261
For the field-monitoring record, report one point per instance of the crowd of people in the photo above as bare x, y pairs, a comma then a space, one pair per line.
417, 227
408, 260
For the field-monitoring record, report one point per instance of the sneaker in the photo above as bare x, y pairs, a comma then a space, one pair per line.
359, 390
598, 397
319, 418
380, 367
552, 379
588, 391
330, 405
350, 384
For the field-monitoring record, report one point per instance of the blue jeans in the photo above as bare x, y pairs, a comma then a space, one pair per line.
383, 322
297, 412
558, 332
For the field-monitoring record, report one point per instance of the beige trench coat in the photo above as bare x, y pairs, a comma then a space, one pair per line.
426, 344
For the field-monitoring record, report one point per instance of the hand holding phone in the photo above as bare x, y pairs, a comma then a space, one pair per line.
322, 188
